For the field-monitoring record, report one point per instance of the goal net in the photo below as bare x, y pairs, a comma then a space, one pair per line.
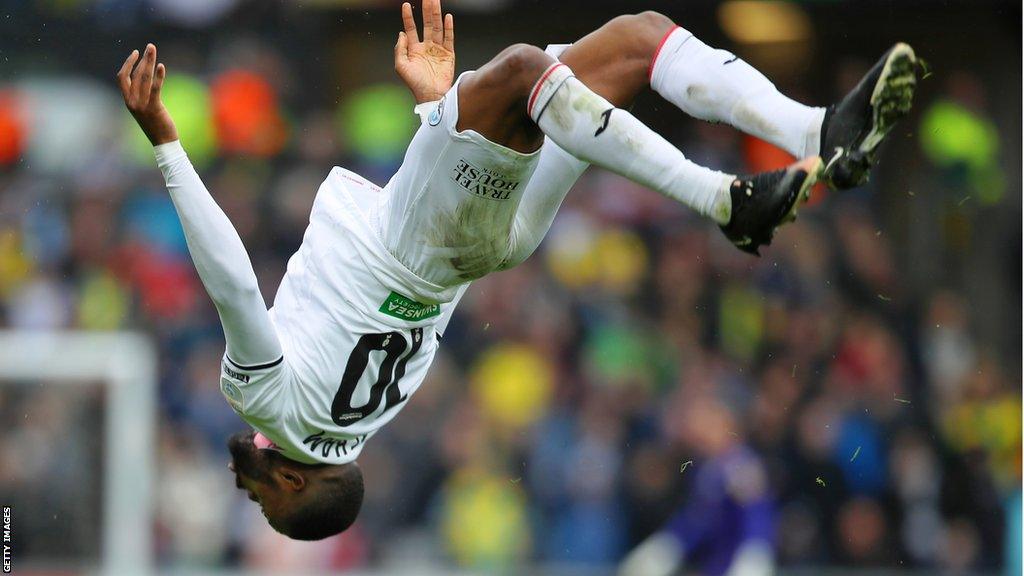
77, 450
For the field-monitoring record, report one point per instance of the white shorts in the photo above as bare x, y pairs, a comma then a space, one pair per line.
462, 206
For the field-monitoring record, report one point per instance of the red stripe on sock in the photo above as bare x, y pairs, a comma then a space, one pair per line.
536, 87
650, 70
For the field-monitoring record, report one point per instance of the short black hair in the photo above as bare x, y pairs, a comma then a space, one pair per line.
330, 507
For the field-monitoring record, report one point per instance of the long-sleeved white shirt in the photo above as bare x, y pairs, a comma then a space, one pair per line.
221, 261
347, 340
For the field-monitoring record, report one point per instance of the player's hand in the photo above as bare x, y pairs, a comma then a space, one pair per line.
427, 67
140, 85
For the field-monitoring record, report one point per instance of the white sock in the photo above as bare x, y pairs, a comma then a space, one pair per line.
717, 86
590, 128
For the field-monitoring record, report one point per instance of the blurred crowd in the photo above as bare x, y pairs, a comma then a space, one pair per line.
577, 398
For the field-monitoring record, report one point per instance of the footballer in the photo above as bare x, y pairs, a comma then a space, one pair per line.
360, 312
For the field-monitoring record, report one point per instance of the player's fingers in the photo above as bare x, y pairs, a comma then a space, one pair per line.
142, 74
434, 27
158, 79
137, 73
409, 23
402, 48
146, 71
428, 24
124, 80
449, 32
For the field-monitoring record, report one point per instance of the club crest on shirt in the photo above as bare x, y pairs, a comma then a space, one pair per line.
232, 393
435, 115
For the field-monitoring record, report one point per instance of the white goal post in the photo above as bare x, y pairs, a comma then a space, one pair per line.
126, 365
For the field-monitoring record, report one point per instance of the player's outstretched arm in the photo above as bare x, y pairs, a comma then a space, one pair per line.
427, 67
217, 251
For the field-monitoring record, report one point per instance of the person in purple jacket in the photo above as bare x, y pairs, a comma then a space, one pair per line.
726, 526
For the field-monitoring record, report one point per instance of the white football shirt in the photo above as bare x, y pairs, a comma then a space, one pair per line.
354, 348
361, 308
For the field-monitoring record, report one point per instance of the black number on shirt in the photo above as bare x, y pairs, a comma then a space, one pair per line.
385, 388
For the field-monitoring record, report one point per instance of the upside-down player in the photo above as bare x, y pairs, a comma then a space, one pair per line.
359, 314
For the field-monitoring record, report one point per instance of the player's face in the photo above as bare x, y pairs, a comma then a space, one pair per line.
247, 461
253, 469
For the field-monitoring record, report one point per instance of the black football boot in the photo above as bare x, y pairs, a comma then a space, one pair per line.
763, 202
854, 128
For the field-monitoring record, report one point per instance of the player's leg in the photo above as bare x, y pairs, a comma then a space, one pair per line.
618, 75
629, 53
622, 57
557, 171
512, 101
592, 129
615, 60
716, 85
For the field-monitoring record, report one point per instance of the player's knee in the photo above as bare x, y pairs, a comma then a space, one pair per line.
644, 31
522, 64
653, 21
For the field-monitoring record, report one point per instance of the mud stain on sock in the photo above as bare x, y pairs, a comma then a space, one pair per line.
746, 118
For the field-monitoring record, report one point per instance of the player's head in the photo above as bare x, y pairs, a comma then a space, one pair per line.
301, 501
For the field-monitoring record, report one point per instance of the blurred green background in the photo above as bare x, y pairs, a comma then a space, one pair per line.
868, 366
